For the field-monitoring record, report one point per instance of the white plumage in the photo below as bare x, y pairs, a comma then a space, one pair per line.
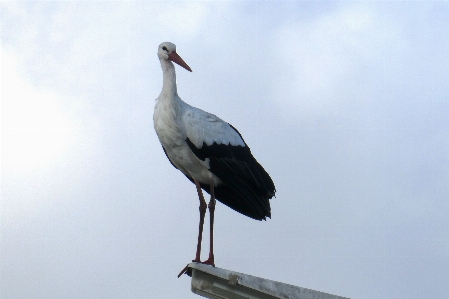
175, 120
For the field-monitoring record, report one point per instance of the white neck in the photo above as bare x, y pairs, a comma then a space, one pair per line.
169, 80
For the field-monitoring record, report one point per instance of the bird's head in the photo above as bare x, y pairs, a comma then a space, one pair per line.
167, 51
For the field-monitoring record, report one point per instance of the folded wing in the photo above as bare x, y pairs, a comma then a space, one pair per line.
246, 187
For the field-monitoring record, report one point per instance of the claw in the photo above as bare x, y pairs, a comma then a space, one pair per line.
183, 270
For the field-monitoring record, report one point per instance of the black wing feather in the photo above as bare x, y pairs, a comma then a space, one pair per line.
247, 186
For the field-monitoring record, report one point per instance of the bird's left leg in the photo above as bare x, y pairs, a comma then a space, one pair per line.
210, 260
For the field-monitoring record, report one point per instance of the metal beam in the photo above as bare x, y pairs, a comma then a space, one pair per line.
217, 283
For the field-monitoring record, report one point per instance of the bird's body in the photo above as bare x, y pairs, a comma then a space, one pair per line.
173, 130
208, 151
190, 148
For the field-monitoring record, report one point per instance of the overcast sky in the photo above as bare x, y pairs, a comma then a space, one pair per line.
345, 104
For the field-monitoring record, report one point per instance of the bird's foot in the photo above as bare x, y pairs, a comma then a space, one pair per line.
209, 261
186, 268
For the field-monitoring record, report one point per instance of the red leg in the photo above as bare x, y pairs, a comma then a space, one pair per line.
210, 260
203, 207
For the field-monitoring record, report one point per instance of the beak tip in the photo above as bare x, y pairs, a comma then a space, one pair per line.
173, 56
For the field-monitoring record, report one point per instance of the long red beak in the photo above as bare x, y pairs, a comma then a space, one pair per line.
173, 56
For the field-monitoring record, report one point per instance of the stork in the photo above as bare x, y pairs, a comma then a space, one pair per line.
210, 152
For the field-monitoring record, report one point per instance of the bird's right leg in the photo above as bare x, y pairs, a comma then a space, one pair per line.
203, 207
210, 260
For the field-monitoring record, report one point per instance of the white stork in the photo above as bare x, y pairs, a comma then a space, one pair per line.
210, 152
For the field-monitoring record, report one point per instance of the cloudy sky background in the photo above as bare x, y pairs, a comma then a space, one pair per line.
345, 104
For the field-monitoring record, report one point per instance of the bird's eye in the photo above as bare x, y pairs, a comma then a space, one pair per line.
165, 49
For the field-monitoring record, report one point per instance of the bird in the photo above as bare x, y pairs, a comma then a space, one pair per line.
210, 152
